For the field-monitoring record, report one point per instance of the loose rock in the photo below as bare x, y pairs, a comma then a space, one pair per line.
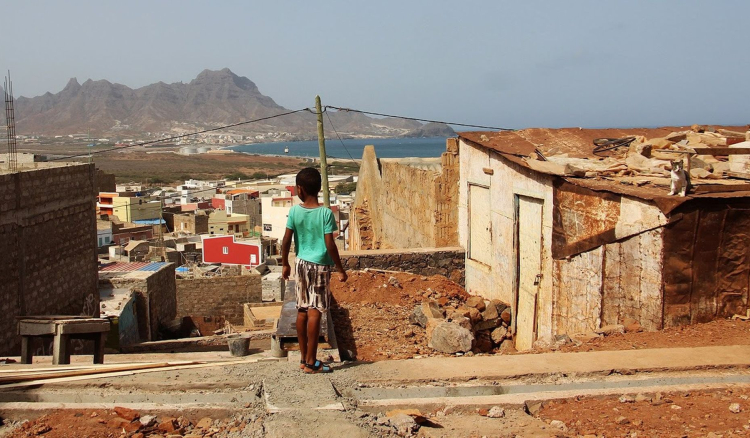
559, 424
496, 412
498, 335
613, 329
735, 408
477, 303
450, 338
404, 425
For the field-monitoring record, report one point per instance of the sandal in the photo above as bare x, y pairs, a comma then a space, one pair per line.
317, 367
302, 364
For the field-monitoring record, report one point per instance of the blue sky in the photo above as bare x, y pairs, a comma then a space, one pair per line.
515, 64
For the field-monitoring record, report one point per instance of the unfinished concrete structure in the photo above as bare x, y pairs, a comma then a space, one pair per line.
405, 202
191, 223
155, 292
47, 245
218, 296
575, 250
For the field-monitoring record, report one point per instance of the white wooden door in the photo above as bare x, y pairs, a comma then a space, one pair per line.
480, 225
529, 269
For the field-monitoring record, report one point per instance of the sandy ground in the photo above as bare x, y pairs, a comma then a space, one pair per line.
674, 414
371, 315
276, 399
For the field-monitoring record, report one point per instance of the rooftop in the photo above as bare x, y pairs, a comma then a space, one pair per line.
640, 168
30, 167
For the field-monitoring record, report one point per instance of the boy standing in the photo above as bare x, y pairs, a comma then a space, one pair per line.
312, 227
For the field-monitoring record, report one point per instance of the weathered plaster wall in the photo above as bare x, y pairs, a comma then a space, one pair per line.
218, 296
633, 285
608, 260
406, 203
47, 245
498, 279
448, 262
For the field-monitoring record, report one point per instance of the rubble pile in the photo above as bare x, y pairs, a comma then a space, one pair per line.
638, 156
473, 326
130, 423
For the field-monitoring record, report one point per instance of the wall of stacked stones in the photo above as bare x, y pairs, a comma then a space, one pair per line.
218, 296
448, 262
47, 246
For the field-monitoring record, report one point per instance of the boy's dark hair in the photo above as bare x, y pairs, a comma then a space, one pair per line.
310, 181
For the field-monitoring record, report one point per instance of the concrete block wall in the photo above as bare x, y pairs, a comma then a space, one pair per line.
155, 298
448, 262
162, 298
47, 245
218, 296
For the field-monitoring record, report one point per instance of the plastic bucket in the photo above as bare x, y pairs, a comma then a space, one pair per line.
239, 346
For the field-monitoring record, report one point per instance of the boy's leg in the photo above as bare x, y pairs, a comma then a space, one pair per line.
313, 332
302, 333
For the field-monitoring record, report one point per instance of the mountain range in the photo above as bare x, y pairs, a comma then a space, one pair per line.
213, 98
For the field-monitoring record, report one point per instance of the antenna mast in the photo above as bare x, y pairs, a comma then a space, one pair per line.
10, 124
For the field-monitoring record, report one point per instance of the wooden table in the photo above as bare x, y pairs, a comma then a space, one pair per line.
62, 329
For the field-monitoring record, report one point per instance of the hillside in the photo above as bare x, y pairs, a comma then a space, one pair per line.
213, 98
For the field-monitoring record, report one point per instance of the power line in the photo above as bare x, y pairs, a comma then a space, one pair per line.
339, 137
417, 119
181, 136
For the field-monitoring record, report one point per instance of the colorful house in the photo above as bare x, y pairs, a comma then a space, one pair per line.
225, 250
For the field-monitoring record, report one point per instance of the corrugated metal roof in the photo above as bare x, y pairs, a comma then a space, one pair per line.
135, 266
149, 221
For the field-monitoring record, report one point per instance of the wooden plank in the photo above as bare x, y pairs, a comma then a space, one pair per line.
48, 318
718, 188
722, 151
36, 328
740, 175
53, 374
57, 369
80, 327
124, 373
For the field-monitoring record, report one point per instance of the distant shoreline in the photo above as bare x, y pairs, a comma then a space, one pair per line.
350, 149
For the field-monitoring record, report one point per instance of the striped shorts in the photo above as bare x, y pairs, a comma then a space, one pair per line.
313, 285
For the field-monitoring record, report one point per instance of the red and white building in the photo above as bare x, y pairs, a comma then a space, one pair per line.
227, 251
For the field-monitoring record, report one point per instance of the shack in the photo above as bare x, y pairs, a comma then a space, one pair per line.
576, 239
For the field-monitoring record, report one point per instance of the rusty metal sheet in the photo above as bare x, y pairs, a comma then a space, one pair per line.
679, 240
582, 219
705, 273
734, 263
707, 261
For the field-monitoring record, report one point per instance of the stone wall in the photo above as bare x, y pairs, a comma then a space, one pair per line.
218, 296
47, 245
448, 261
406, 202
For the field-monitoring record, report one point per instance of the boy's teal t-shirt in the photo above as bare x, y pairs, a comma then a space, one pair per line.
310, 225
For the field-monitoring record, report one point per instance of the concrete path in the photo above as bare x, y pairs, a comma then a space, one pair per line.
501, 367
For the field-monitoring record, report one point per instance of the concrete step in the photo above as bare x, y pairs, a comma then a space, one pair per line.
597, 363
468, 397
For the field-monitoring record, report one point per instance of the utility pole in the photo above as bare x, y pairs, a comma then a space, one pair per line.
323, 160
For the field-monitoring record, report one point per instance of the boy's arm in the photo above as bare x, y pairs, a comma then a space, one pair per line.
333, 251
286, 244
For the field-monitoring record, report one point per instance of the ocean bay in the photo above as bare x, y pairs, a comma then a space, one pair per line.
352, 148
